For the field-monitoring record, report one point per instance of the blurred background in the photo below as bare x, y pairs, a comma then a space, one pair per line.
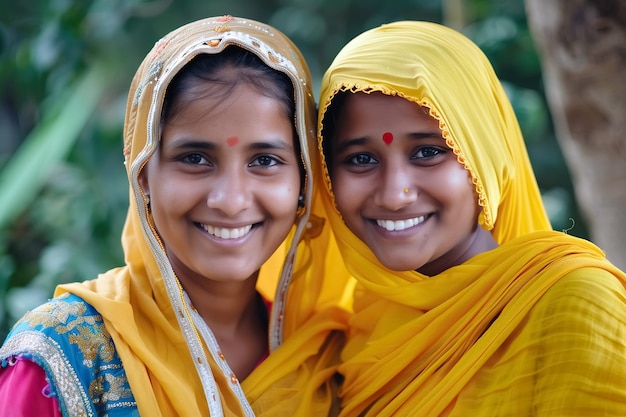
65, 67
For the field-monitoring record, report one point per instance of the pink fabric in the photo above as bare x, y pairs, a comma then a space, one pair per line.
24, 390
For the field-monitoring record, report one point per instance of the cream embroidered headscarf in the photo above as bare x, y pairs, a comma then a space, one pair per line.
536, 326
172, 370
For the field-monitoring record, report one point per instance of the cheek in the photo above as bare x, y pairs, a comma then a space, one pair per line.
162, 209
460, 188
459, 179
347, 194
281, 198
168, 189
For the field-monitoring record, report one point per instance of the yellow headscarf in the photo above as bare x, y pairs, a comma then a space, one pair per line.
170, 368
536, 326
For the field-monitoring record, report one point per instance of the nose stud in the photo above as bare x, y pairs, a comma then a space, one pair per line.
406, 191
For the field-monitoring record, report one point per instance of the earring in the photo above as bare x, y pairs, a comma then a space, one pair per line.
148, 201
301, 205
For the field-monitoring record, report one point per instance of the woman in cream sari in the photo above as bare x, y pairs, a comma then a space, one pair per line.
201, 321
467, 303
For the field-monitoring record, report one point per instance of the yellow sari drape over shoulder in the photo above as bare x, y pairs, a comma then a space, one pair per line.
536, 326
171, 369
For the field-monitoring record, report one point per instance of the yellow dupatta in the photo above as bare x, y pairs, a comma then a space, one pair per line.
170, 368
536, 326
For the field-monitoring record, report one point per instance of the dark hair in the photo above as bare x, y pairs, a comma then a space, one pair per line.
329, 122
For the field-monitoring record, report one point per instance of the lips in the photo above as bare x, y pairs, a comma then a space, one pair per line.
225, 232
397, 225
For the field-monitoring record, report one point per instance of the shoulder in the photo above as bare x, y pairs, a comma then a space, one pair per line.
65, 332
67, 337
589, 285
57, 319
576, 333
62, 322
585, 301
56, 311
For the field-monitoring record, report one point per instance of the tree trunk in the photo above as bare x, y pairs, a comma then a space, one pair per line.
582, 44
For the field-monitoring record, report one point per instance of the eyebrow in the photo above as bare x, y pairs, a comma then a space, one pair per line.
192, 144
366, 139
272, 144
343, 145
211, 146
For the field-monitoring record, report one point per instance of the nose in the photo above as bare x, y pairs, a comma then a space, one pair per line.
397, 188
229, 192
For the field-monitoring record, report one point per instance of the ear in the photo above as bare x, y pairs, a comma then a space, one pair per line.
143, 180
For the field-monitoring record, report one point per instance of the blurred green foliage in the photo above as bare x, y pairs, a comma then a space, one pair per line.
63, 190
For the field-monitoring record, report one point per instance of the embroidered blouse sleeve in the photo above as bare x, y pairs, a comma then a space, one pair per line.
24, 391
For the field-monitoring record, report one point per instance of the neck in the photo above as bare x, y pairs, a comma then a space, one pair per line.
480, 241
237, 317
226, 307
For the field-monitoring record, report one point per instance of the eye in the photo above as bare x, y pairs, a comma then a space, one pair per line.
361, 159
195, 159
428, 152
264, 161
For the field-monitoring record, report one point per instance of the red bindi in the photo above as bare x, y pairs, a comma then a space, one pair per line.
232, 141
388, 138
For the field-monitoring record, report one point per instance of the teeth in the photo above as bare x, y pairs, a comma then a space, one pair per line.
397, 225
225, 233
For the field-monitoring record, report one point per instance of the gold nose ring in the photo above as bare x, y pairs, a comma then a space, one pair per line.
406, 191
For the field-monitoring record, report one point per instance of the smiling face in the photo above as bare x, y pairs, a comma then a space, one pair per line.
224, 184
399, 187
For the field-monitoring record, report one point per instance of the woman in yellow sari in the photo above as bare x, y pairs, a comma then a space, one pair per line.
200, 321
466, 303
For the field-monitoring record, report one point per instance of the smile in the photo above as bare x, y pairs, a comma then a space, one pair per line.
397, 225
226, 233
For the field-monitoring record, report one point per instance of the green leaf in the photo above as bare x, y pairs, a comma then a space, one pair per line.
48, 143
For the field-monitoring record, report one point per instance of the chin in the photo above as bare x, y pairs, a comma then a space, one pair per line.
234, 273
402, 264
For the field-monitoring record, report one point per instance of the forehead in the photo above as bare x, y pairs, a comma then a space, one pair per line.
243, 102
383, 113
244, 116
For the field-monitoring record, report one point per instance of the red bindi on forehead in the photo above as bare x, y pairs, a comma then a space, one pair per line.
388, 138
232, 141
